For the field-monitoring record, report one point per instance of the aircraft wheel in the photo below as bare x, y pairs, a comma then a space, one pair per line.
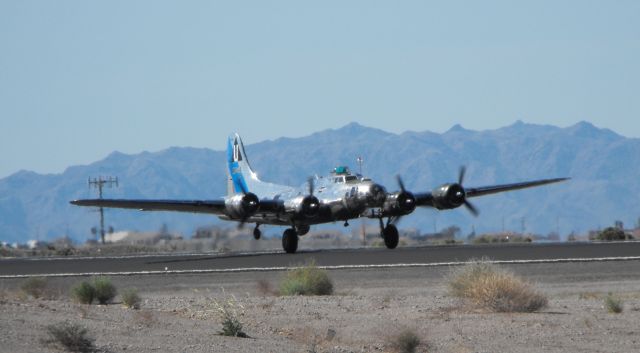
391, 237
290, 241
257, 233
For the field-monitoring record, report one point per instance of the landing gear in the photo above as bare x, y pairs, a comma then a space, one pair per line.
290, 241
389, 234
302, 229
256, 232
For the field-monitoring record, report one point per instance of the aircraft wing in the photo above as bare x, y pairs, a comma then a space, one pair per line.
487, 190
426, 199
193, 206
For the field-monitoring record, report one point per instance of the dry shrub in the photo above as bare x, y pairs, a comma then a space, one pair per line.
229, 312
307, 280
486, 286
405, 341
69, 336
613, 304
35, 287
130, 298
265, 288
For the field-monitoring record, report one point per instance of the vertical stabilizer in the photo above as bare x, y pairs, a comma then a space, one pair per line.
241, 177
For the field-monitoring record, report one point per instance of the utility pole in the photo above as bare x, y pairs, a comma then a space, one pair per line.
99, 183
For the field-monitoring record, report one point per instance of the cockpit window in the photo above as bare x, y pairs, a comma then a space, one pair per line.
352, 177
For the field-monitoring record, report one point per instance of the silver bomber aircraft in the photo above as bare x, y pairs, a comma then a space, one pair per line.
340, 196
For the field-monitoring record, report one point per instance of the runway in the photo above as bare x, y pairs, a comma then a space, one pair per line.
347, 257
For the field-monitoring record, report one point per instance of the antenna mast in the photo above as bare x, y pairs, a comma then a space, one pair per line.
360, 160
100, 183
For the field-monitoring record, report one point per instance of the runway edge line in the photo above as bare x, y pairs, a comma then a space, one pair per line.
337, 267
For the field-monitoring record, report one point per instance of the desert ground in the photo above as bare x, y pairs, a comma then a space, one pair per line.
367, 311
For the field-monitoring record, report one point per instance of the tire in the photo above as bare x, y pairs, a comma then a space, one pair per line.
257, 233
290, 241
391, 237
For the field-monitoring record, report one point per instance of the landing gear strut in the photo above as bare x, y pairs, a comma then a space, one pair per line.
290, 240
389, 234
302, 229
256, 232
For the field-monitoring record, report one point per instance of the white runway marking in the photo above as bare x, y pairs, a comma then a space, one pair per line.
168, 271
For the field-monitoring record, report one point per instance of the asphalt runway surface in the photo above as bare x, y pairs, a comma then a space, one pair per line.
345, 257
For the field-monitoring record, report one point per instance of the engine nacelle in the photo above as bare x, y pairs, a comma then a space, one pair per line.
448, 196
399, 203
303, 206
242, 206
373, 194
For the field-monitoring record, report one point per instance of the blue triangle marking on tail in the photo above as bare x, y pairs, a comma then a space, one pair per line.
235, 170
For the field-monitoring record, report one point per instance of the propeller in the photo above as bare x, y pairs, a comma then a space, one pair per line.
400, 183
311, 185
406, 200
460, 193
311, 204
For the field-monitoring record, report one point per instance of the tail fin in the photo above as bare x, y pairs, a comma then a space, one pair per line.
240, 175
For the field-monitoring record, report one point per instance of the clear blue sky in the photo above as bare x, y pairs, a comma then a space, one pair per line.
80, 79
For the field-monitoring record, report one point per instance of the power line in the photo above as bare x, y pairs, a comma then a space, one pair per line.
99, 183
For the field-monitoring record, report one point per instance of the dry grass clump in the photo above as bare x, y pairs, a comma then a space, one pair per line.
229, 312
130, 298
405, 341
35, 287
501, 238
486, 286
265, 288
306, 280
70, 337
613, 304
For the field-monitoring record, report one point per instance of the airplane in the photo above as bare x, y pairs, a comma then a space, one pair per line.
340, 196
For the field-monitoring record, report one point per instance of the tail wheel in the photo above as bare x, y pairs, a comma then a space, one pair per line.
290, 241
391, 237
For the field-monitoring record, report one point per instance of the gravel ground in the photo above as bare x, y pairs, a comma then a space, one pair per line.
367, 312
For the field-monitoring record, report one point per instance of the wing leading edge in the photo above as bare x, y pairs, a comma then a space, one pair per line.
488, 190
427, 200
217, 207
193, 206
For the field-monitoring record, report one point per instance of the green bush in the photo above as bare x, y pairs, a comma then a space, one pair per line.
84, 292
71, 337
307, 280
104, 289
34, 286
613, 304
131, 299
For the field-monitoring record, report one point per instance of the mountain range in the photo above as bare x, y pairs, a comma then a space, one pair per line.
604, 167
